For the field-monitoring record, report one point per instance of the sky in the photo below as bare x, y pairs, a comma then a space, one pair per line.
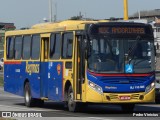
25, 13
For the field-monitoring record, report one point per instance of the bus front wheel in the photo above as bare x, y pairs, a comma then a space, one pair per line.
29, 101
72, 105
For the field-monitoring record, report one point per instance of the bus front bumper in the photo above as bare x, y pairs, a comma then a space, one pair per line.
140, 97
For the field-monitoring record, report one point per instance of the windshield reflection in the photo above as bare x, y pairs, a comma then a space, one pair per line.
111, 55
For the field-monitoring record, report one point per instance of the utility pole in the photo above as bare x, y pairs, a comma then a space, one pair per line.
50, 11
125, 9
139, 14
55, 15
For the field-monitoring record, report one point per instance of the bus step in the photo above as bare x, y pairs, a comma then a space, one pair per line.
43, 98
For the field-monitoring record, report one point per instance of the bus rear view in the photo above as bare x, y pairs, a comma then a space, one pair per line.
120, 64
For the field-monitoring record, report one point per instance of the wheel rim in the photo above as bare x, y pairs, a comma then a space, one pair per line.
71, 102
27, 95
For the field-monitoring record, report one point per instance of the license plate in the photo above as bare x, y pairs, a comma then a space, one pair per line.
124, 97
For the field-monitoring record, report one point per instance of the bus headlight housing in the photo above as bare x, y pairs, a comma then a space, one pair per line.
150, 87
95, 87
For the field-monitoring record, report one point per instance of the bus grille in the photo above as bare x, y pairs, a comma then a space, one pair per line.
114, 96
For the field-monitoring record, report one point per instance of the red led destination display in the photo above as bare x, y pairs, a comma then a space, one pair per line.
121, 30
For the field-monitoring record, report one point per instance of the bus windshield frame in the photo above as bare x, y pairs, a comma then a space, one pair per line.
110, 52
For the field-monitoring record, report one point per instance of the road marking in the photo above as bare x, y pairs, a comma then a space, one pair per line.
27, 109
10, 96
60, 112
20, 108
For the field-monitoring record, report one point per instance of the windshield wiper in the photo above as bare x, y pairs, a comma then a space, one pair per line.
131, 52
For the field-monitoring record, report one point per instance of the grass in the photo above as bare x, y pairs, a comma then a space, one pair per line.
1, 80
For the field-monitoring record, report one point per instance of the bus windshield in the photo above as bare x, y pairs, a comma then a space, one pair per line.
111, 55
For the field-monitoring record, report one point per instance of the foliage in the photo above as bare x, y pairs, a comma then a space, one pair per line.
76, 18
1, 80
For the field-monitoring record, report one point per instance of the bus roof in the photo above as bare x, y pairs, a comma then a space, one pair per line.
61, 26
52, 27
72, 24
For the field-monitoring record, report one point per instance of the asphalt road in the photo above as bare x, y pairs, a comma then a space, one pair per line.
11, 103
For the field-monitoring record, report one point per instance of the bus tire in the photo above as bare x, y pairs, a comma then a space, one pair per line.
72, 105
157, 101
29, 101
128, 107
157, 97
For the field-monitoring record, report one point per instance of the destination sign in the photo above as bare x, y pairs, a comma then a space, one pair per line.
121, 30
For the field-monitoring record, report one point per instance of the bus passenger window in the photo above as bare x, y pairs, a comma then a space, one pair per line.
26, 47
67, 45
10, 47
18, 48
55, 46
35, 47
52, 45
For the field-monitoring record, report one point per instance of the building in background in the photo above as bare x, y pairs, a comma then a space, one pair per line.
156, 27
3, 28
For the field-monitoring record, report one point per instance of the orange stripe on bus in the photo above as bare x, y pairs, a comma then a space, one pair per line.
11, 62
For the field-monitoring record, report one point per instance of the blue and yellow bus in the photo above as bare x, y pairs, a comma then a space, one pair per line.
81, 62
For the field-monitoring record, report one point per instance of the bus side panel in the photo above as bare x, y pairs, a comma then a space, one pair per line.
19, 78
55, 81
9, 82
44, 79
15, 75
13, 78
32, 74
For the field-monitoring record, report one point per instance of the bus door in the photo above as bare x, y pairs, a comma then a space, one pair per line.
44, 65
79, 66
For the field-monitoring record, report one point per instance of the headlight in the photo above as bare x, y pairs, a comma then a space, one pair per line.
150, 87
95, 87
